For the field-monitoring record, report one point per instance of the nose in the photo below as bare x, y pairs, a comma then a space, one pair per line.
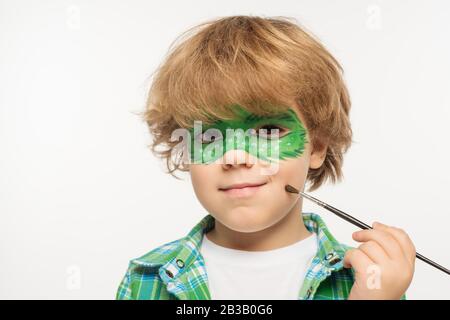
236, 158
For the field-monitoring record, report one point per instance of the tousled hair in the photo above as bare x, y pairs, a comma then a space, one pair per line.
258, 63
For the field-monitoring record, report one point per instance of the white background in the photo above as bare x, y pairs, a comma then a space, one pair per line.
80, 193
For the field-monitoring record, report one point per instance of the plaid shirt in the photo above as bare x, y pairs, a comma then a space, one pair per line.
176, 270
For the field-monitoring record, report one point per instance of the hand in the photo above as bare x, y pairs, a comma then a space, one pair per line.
383, 263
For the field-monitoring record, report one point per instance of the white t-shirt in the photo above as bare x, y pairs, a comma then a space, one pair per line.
265, 275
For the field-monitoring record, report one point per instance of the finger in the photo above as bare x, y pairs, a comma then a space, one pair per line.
402, 238
384, 239
374, 251
357, 259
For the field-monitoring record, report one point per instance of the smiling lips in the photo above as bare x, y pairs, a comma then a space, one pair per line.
242, 190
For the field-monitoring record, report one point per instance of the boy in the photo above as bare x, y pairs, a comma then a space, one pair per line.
254, 74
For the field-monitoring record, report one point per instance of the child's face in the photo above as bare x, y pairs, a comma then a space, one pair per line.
255, 208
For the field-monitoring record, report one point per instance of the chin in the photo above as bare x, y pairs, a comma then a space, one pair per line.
245, 219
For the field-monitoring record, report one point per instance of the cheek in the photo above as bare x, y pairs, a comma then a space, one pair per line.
201, 176
204, 182
293, 171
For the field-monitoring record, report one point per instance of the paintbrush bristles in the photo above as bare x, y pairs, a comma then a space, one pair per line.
290, 189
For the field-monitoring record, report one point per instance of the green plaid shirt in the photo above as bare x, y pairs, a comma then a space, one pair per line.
176, 270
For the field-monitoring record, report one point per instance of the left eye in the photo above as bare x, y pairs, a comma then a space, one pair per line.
268, 128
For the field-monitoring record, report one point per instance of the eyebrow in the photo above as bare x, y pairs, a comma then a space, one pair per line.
254, 117
285, 116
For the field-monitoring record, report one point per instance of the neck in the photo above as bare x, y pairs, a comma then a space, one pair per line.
285, 232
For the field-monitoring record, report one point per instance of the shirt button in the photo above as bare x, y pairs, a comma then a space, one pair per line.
334, 261
169, 273
329, 256
180, 263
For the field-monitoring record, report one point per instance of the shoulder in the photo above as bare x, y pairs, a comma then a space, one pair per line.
339, 280
335, 281
150, 262
147, 275
159, 255
142, 280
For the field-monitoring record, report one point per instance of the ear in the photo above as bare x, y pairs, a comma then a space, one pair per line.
318, 154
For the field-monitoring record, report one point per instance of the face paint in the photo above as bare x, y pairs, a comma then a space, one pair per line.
246, 132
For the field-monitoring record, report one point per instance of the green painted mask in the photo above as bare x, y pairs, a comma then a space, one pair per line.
249, 132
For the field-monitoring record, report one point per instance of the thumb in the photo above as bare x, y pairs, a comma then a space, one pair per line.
348, 258
357, 259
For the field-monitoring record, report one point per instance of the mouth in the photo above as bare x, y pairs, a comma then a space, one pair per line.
242, 190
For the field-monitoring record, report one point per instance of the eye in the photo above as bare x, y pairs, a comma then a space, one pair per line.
268, 133
208, 137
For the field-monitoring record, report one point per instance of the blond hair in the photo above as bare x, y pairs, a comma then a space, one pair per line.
258, 63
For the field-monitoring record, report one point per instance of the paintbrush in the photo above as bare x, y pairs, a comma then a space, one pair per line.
356, 222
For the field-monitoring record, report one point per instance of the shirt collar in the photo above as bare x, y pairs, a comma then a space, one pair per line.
176, 257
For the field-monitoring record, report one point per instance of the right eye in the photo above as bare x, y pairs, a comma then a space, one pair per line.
208, 137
